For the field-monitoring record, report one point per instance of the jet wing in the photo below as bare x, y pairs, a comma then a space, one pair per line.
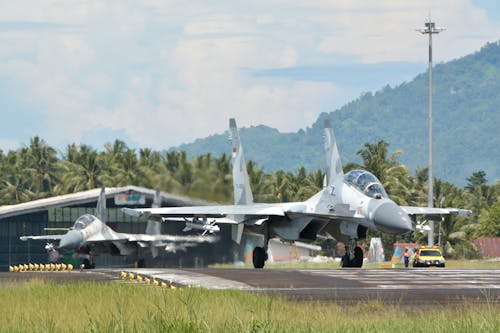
223, 214
42, 237
218, 211
169, 238
435, 211
147, 238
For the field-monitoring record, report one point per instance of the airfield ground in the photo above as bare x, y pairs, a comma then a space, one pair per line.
405, 286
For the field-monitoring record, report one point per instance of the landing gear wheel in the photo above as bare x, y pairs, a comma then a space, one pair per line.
87, 264
259, 257
358, 257
357, 261
345, 262
140, 263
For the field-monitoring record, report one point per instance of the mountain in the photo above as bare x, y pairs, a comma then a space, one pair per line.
466, 120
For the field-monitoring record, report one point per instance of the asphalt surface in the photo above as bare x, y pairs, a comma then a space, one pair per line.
401, 286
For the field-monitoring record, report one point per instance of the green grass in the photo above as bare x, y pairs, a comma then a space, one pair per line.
489, 264
38, 306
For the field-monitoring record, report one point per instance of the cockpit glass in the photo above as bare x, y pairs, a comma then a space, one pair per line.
83, 221
366, 183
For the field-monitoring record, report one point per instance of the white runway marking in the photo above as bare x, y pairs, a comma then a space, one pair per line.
417, 278
192, 279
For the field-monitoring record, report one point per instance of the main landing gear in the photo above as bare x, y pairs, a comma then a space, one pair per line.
259, 257
352, 258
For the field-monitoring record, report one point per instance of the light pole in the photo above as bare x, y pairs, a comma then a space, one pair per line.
430, 29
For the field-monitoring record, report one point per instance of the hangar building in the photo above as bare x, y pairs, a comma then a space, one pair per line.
55, 214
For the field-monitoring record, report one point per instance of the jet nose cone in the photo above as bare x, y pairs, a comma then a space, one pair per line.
391, 218
71, 240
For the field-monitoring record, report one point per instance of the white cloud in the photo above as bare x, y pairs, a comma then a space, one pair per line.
170, 72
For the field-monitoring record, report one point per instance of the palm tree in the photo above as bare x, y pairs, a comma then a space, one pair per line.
256, 177
110, 161
393, 175
16, 183
222, 184
280, 186
480, 194
306, 185
79, 169
42, 160
128, 172
418, 192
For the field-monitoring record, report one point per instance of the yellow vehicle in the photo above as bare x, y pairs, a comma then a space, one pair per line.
428, 256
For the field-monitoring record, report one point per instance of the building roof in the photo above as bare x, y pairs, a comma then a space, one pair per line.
89, 196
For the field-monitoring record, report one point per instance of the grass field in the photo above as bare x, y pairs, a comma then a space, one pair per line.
38, 306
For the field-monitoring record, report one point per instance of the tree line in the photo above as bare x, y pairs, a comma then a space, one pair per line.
37, 171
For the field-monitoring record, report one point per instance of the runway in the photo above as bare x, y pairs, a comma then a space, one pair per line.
346, 285
401, 286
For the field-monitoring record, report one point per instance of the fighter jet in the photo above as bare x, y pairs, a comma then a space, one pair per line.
90, 235
346, 208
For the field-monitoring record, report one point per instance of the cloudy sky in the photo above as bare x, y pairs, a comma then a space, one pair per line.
159, 73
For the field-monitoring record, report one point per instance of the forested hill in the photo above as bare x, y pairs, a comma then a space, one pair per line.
466, 113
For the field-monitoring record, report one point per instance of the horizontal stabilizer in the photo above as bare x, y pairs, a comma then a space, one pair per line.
133, 212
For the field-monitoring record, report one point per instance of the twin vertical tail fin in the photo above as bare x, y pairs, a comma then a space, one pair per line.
241, 183
154, 227
333, 164
100, 210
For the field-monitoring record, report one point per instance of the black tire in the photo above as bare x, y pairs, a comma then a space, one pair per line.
87, 264
358, 257
346, 262
259, 257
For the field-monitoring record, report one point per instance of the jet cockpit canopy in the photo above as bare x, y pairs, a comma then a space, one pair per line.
83, 221
366, 183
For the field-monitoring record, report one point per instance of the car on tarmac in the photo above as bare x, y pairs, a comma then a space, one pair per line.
428, 256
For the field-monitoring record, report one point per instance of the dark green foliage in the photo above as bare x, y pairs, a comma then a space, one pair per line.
489, 222
36, 171
465, 120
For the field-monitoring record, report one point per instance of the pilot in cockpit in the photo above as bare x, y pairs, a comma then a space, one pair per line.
366, 183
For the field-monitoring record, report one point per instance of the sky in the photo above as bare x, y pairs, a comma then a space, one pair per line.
160, 73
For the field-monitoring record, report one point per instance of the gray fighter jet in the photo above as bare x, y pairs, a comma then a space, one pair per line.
90, 236
346, 208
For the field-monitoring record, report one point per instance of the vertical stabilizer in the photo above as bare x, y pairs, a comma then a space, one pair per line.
241, 183
154, 227
333, 164
100, 210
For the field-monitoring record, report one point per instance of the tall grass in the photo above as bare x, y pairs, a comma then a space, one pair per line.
38, 306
